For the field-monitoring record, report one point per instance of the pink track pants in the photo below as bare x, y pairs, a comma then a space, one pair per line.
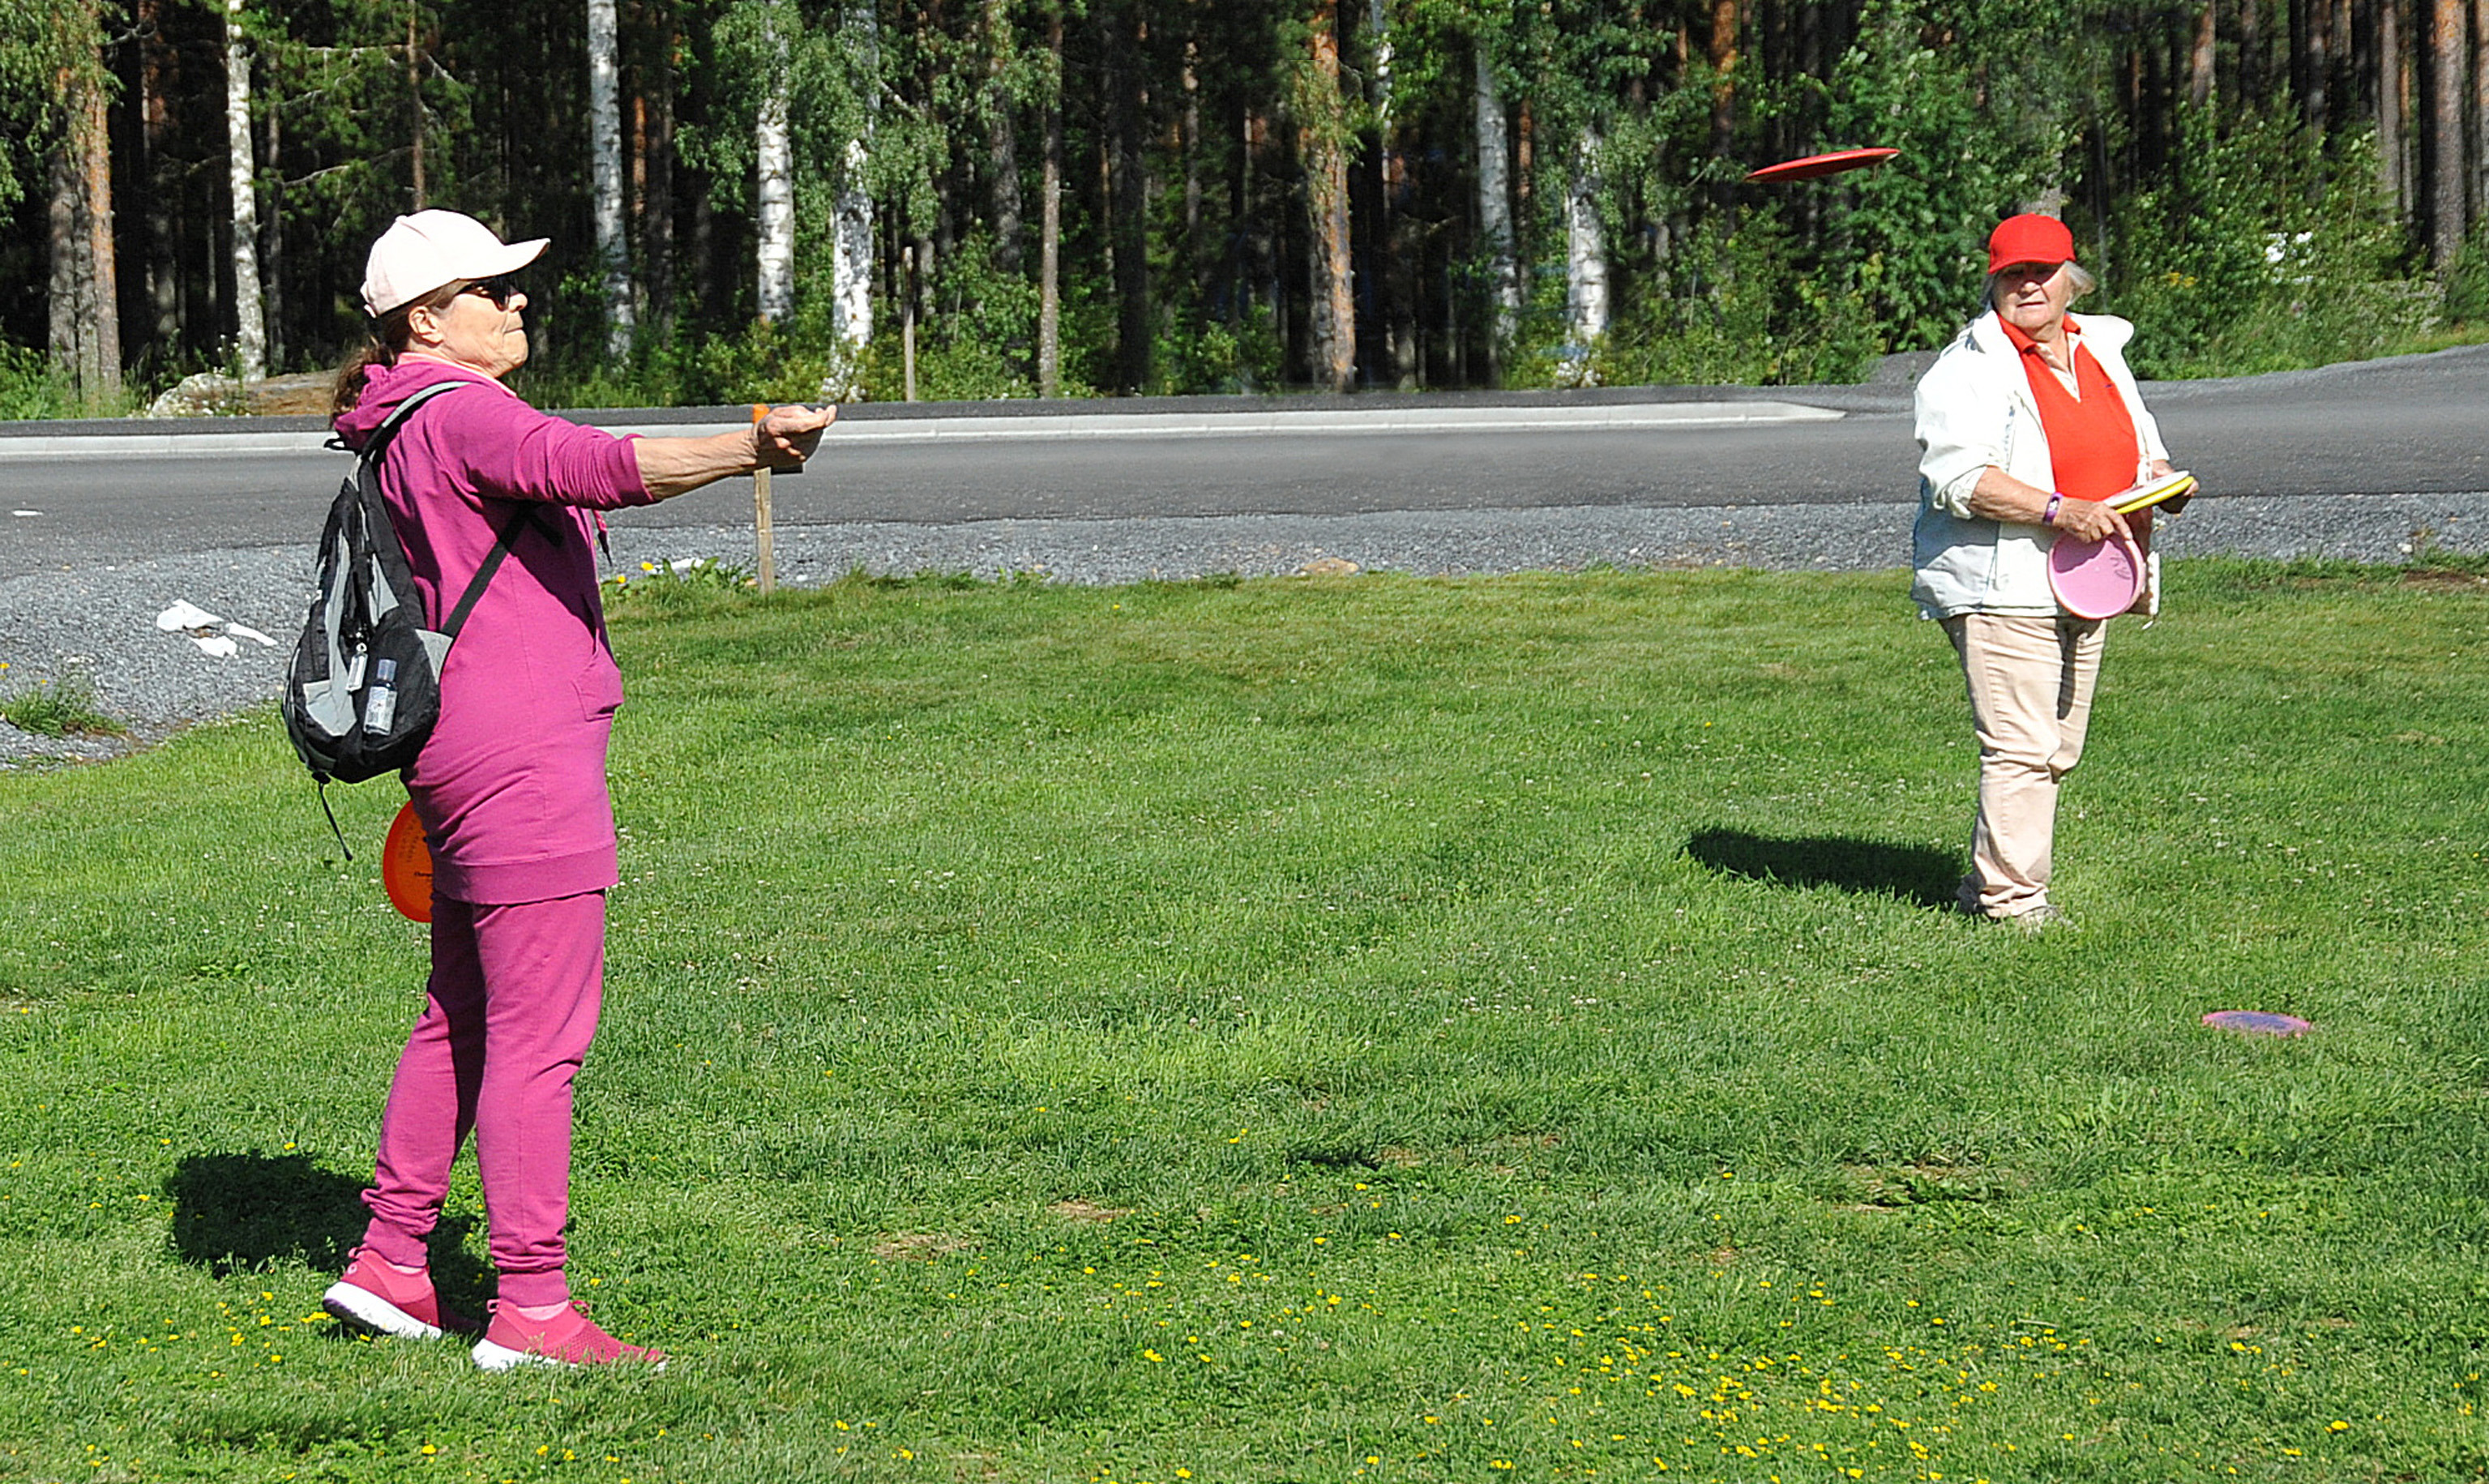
511, 1006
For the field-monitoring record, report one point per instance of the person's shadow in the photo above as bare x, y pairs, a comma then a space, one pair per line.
243, 1213
1916, 874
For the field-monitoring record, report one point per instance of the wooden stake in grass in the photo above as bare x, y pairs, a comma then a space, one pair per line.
764, 539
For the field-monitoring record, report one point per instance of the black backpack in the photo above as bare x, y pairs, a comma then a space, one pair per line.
365, 687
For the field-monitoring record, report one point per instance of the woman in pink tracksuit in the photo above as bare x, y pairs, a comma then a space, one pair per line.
512, 786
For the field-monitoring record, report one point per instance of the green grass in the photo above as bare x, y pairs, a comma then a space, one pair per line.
1328, 1030
57, 708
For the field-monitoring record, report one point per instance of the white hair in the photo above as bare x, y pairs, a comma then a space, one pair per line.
2079, 277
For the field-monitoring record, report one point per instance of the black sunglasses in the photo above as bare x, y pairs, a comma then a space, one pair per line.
500, 291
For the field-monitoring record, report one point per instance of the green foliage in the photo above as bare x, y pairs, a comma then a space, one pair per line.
2267, 253
60, 707
1741, 310
33, 385
1909, 235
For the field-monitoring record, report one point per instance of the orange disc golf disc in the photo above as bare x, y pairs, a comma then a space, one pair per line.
1815, 165
406, 865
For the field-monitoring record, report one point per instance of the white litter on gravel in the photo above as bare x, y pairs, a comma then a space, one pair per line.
184, 615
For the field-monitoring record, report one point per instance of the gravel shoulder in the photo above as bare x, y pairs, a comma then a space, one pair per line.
99, 626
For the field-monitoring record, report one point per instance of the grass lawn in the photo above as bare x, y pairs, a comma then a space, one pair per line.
1330, 1030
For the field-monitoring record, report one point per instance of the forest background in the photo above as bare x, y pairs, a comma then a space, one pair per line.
991, 199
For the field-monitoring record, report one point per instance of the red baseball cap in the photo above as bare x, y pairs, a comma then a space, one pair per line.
2029, 238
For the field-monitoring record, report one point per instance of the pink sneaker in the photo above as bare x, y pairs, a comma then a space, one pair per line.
568, 1338
376, 1296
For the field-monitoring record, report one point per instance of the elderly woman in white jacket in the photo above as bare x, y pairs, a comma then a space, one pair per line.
2027, 422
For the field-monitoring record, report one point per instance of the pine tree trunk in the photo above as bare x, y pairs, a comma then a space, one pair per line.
1585, 257
85, 329
157, 132
271, 239
2395, 181
1321, 131
2319, 65
2448, 48
415, 107
2479, 108
242, 177
1128, 203
657, 193
1049, 248
1495, 210
2200, 62
1723, 74
774, 166
1002, 138
605, 160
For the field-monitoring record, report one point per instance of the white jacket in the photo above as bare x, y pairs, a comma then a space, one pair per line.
1975, 409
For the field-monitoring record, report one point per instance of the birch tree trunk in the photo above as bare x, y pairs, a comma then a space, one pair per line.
852, 261
605, 155
85, 329
241, 173
1322, 129
1585, 258
1495, 206
1049, 239
773, 155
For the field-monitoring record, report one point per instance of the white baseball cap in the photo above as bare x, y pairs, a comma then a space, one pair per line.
420, 253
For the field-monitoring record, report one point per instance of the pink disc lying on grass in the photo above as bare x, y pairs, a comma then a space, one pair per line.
2257, 1022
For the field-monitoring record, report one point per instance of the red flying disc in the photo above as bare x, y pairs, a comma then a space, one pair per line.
1812, 165
2096, 579
406, 865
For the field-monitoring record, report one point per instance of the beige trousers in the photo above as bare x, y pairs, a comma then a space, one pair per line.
2030, 681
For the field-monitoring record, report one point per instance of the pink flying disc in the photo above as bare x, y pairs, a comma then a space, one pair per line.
2257, 1022
1812, 165
406, 865
2096, 579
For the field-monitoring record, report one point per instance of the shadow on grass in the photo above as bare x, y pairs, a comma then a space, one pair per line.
249, 1212
1914, 874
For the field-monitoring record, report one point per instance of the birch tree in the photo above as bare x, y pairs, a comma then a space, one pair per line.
1495, 199
605, 153
853, 262
1586, 259
774, 174
250, 323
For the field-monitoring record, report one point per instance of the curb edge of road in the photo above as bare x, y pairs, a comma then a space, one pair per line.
1656, 416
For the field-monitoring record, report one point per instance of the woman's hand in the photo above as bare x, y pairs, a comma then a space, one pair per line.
2087, 519
785, 436
778, 438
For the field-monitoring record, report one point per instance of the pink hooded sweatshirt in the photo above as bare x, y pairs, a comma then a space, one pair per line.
512, 786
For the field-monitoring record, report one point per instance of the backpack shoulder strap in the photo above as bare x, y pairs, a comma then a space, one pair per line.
378, 444
504, 537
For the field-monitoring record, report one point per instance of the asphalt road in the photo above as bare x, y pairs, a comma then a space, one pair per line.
2411, 426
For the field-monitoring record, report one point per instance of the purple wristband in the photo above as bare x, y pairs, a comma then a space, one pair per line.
2048, 517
